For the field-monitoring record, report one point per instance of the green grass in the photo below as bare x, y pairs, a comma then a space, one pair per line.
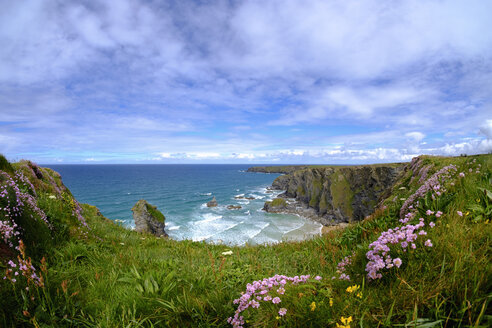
109, 276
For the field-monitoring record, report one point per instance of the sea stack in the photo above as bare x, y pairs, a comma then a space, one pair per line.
148, 219
212, 203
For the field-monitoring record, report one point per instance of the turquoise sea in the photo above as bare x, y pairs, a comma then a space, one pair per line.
180, 192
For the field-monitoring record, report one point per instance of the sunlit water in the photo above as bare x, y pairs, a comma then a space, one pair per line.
181, 193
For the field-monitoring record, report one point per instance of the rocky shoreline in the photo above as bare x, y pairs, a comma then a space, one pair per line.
333, 196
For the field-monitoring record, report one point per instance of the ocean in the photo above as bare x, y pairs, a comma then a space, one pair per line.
181, 192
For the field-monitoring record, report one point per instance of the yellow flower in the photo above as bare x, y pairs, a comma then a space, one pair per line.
331, 301
352, 289
313, 306
467, 213
346, 321
277, 317
359, 294
342, 326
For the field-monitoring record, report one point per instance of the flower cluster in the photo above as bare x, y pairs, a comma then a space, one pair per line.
379, 251
23, 268
345, 322
264, 291
434, 183
341, 267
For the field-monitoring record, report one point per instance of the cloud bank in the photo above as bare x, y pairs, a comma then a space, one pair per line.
252, 81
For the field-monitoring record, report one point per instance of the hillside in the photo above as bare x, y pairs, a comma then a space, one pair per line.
421, 260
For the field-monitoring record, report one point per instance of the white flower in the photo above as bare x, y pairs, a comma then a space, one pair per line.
227, 253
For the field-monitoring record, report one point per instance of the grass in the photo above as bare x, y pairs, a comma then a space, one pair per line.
108, 276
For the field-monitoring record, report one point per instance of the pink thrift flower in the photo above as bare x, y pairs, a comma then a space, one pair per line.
282, 312
281, 290
428, 243
429, 212
397, 262
459, 213
432, 224
276, 300
413, 246
462, 175
317, 278
438, 214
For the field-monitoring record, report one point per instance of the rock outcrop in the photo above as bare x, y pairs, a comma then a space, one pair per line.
234, 207
336, 194
148, 219
212, 203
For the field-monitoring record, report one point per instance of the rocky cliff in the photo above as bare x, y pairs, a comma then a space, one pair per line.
339, 194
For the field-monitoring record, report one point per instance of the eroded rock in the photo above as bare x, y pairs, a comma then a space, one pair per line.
148, 219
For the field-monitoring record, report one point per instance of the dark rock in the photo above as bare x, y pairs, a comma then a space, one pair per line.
212, 203
35, 169
234, 207
243, 197
148, 219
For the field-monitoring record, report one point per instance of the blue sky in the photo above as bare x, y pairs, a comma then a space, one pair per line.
244, 81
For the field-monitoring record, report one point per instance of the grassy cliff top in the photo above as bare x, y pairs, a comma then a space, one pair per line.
292, 168
103, 275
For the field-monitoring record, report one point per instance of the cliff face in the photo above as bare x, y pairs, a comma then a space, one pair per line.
340, 194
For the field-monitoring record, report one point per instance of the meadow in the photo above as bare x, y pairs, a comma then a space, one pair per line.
422, 259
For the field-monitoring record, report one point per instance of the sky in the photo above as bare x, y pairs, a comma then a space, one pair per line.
311, 81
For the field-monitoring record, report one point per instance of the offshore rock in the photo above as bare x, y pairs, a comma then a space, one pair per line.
212, 203
148, 219
234, 207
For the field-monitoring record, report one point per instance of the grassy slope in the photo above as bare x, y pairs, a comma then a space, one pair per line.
112, 277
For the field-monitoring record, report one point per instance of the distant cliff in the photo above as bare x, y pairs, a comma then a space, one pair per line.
340, 194
277, 169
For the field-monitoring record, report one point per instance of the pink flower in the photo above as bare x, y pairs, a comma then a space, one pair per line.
282, 312
281, 290
462, 175
432, 224
397, 262
438, 214
318, 278
459, 213
428, 243
276, 300
429, 212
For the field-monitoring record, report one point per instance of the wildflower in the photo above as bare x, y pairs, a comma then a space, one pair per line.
462, 175
359, 294
318, 278
352, 289
313, 306
428, 243
459, 213
282, 311
438, 214
429, 212
276, 300
345, 322
397, 262
331, 301
432, 224
227, 253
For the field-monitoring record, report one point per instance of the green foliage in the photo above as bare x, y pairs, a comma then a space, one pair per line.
156, 214
113, 277
279, 202
5, 165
